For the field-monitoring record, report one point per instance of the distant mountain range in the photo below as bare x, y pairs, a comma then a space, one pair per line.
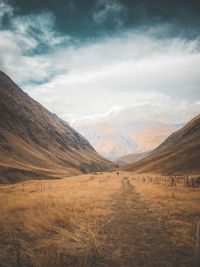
178, 154
35, 143
115, 141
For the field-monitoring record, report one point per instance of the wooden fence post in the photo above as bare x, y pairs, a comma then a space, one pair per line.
198, 244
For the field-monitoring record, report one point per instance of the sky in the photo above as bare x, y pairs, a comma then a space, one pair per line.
99, 60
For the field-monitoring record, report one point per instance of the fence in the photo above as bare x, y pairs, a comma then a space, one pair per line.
177, 181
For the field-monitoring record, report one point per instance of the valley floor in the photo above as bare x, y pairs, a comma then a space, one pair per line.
100, 219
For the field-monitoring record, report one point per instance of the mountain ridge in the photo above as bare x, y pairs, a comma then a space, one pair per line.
179, 153
36, 140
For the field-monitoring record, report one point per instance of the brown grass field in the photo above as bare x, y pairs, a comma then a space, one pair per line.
100, 219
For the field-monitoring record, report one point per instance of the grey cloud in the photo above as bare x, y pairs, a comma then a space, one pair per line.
77, 17
5, 10
109, 12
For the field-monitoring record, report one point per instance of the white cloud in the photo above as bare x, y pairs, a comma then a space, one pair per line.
145, 107
40, 27
19, 41
97, 81
98, 77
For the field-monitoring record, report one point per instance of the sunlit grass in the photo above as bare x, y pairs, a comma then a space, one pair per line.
177, 210
56, 223
64, 222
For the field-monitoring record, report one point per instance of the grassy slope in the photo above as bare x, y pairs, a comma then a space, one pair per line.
36, 141
131, 158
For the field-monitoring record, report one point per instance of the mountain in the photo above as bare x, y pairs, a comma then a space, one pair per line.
35, 143
131, 158
106, 140
178, 154
117, 140
150, 134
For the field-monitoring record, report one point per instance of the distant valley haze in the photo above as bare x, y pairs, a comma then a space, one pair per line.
116, 139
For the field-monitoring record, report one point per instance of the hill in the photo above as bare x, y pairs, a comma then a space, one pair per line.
179, 153
131, 158
35, 143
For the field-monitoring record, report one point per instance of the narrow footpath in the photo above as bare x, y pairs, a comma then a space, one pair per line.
134, 236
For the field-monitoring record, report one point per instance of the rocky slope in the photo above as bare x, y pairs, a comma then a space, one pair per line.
35, 143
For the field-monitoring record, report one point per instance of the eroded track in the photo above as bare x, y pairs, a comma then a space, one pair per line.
134, 236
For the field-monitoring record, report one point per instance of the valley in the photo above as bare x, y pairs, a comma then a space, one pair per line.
64, 204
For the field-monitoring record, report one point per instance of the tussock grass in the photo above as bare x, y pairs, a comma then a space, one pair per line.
54, 223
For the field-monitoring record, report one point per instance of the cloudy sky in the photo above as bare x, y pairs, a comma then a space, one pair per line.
132, 59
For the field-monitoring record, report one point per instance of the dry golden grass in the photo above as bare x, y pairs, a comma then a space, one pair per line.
177, 210
55, 223
95, 220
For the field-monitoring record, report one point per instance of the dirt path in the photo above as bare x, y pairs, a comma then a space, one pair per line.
135, 237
